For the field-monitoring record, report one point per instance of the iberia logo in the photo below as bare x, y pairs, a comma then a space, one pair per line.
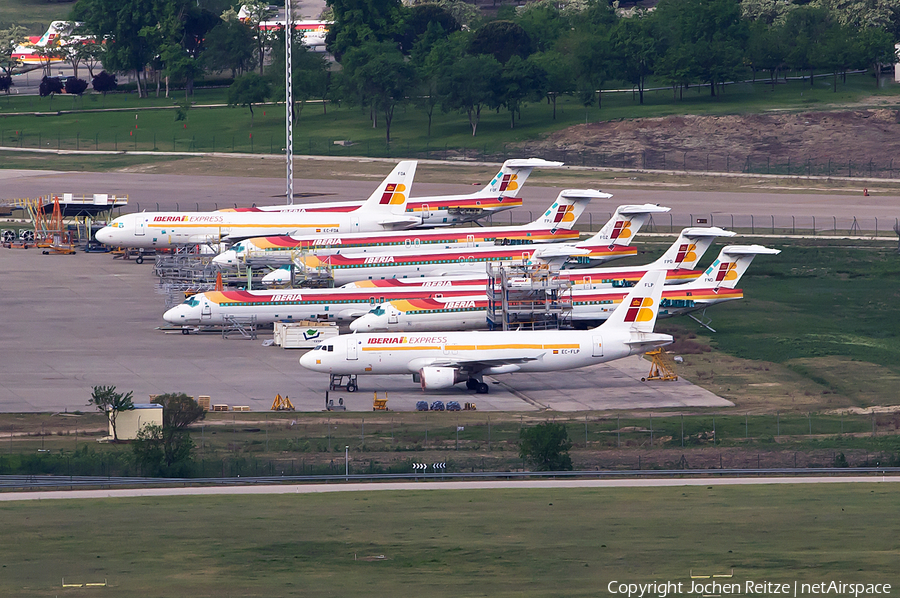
393, 194
640, 310
564, 214
508, 182
727, 271
310, 334
686, 252
621, 230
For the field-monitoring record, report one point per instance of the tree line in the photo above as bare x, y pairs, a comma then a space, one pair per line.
448, 56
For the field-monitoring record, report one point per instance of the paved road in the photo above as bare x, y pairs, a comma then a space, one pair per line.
197, 192
415, 486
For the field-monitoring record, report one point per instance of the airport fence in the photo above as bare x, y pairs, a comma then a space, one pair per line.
759, 224
185, 140
475, 442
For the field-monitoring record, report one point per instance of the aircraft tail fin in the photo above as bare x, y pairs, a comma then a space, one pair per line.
727, 269
625, 224
567, 208
690, 246
392, 194
512, 175
639, 309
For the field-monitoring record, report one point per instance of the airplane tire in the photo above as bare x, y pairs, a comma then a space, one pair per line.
185, 331
482, 388
351, 388
139, 259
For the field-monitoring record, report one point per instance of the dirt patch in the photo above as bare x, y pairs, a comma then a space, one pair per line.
862, 135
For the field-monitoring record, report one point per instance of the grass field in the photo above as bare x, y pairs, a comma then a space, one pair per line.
448, 543
229, 129
34, 15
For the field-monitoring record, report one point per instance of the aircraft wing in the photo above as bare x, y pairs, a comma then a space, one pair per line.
474, 366
400, 222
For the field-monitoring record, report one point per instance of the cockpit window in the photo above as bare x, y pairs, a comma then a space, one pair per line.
192, 301
238, 248
378, 311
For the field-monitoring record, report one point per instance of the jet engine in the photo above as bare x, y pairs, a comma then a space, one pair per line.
434, 378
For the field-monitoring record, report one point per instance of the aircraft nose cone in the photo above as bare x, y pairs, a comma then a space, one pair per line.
308, 360
361, 324
226, 258
105, 235
174, 315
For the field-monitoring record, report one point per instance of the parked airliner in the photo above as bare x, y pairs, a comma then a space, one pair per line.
554, 225
610, 243
444, 358
678, 261
384, 210
423, 314
498, 195
332, 305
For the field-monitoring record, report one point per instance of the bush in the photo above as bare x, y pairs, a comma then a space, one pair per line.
104, 82
76, 87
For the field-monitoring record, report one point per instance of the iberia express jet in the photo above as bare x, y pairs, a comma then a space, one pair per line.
384, 210
442, 359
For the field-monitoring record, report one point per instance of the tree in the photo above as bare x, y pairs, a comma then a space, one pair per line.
247, 90
360, 21
89, 51
50, 86
76, 86
9, 38
123, 22
106, 399
875, 47
104, 82
309, 72
636, 47
502, 40
380, 76
546, 446
558, 69
257, 12
423, 17
805, 28
179, 412
230, 45
520, 80
470, 85
433, 56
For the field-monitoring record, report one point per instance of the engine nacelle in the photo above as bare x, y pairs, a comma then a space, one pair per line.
434, 378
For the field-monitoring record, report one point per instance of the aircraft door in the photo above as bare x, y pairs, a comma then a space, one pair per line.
393, 318
426, 212
352, 350
597, 346
139, 226
470, 240
206, 312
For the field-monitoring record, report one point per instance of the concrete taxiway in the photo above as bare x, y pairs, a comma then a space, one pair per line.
73, 322
198, 192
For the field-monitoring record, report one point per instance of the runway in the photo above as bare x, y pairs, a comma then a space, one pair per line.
419, 486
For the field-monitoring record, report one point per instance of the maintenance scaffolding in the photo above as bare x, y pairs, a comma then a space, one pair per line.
527, 296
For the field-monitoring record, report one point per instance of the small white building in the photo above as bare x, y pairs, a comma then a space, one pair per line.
130, 422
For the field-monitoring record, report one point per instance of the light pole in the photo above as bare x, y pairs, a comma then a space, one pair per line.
347, 462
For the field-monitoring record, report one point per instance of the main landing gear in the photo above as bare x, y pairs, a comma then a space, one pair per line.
478, 386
